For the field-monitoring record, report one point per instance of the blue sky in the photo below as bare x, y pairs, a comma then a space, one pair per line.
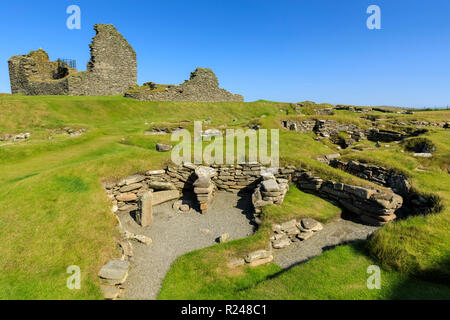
286, 50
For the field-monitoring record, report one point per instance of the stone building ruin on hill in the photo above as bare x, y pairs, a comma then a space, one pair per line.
203, 86
112, 69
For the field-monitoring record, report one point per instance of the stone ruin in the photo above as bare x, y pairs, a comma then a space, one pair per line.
112, 69
203, 86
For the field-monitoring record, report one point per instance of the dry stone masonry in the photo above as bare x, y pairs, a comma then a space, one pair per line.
331, 129
202, 86
414, 203
112, 69
204, 188
137, 195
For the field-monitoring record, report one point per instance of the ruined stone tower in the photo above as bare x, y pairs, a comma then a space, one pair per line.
111, 70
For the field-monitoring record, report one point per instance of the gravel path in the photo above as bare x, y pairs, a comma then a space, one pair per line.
175, 234
336, 232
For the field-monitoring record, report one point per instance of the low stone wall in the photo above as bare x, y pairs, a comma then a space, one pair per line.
374, 206
388, 178
413, 203
331, 129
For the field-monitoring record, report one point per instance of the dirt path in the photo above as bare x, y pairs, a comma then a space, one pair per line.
175, 234
336, 232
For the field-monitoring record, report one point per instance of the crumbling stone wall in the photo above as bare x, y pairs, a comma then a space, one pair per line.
203, 85
111, 71
331, 128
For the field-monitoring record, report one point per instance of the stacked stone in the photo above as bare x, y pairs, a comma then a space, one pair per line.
236, 178
373, 206
292, 231
113, 275
376, 205
331, 128
415, 203
204, 187
388, 178
271, 191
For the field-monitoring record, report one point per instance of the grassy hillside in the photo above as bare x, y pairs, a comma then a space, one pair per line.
54, 212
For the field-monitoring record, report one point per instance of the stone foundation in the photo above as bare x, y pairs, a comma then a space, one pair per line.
375, 206
331, 129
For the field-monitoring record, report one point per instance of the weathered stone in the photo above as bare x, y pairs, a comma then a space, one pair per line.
202, 182
131, 187
360, 192
203, 171
270, 186
126, 197
140, 238
177, 204
310, 224
111, 70
161, 185
259, 262
146, 209
184, 208
423, 155
164, 196
127, 248
202, 86
224, 238
128, 207
204, 190
110, 292
281, 243
133, 179
155, 172
305, 235
288, 225
257, 255
262, 203
161, 147
115, 269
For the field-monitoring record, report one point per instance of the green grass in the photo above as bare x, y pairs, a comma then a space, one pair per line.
340, 273
55, 213
298, 204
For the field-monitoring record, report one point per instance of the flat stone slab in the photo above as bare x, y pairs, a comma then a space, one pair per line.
115, 269
160, 185
423, 155
134, 179
270, 186
164, 196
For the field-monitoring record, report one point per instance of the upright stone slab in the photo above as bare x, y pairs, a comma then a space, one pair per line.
146, 209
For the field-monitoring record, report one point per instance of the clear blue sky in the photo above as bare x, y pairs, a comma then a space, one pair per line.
291, 51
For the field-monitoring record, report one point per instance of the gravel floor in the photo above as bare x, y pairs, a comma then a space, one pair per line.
175, 234
336, 232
